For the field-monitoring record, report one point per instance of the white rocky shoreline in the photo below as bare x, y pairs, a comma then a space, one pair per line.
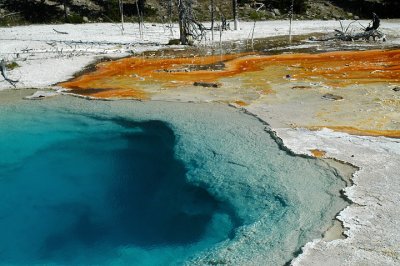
371, 222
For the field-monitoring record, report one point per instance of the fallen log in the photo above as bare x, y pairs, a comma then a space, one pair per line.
370, 32
366, 35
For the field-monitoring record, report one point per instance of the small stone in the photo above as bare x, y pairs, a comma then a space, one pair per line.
396, 89
288, 76
356, 17
174, 42
85, 19
332, 97
276, 11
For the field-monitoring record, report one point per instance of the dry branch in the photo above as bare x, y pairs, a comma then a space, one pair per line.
3, 70
367, 34
60, 32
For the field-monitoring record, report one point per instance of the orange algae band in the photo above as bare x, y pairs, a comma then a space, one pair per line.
132, 77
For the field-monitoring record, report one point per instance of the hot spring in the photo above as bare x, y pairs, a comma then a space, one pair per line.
156, 183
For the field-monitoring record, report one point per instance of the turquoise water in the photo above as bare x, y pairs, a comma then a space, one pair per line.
128, 183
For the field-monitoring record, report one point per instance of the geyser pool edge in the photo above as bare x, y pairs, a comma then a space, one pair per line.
235, 176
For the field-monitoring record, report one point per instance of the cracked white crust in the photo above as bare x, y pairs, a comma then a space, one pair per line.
371, 223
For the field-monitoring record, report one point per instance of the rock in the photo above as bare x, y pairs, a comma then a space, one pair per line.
356, 17
85, 19
39, 95
396, 89
349, 14
174, 42
276, 12
207, 84
332, 97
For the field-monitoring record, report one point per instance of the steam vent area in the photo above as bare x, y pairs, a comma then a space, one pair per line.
325, 86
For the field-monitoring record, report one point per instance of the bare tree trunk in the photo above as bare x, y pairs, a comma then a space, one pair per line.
212, 19
141, 6
235, 14
140, 19
183, 23
65, 10
121, 10
252, 34
290, 21
170, 16
189, 28
220, 37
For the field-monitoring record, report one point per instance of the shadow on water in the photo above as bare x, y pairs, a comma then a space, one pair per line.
115, 189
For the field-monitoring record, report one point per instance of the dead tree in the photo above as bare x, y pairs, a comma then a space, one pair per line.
121, 10
235, 15
376, 22
369, 32
212, 9
170, 4
65, 10
140, 17
189, 28
291, 13
3, 70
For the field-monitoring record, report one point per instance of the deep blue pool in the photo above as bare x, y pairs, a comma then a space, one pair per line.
90, 188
